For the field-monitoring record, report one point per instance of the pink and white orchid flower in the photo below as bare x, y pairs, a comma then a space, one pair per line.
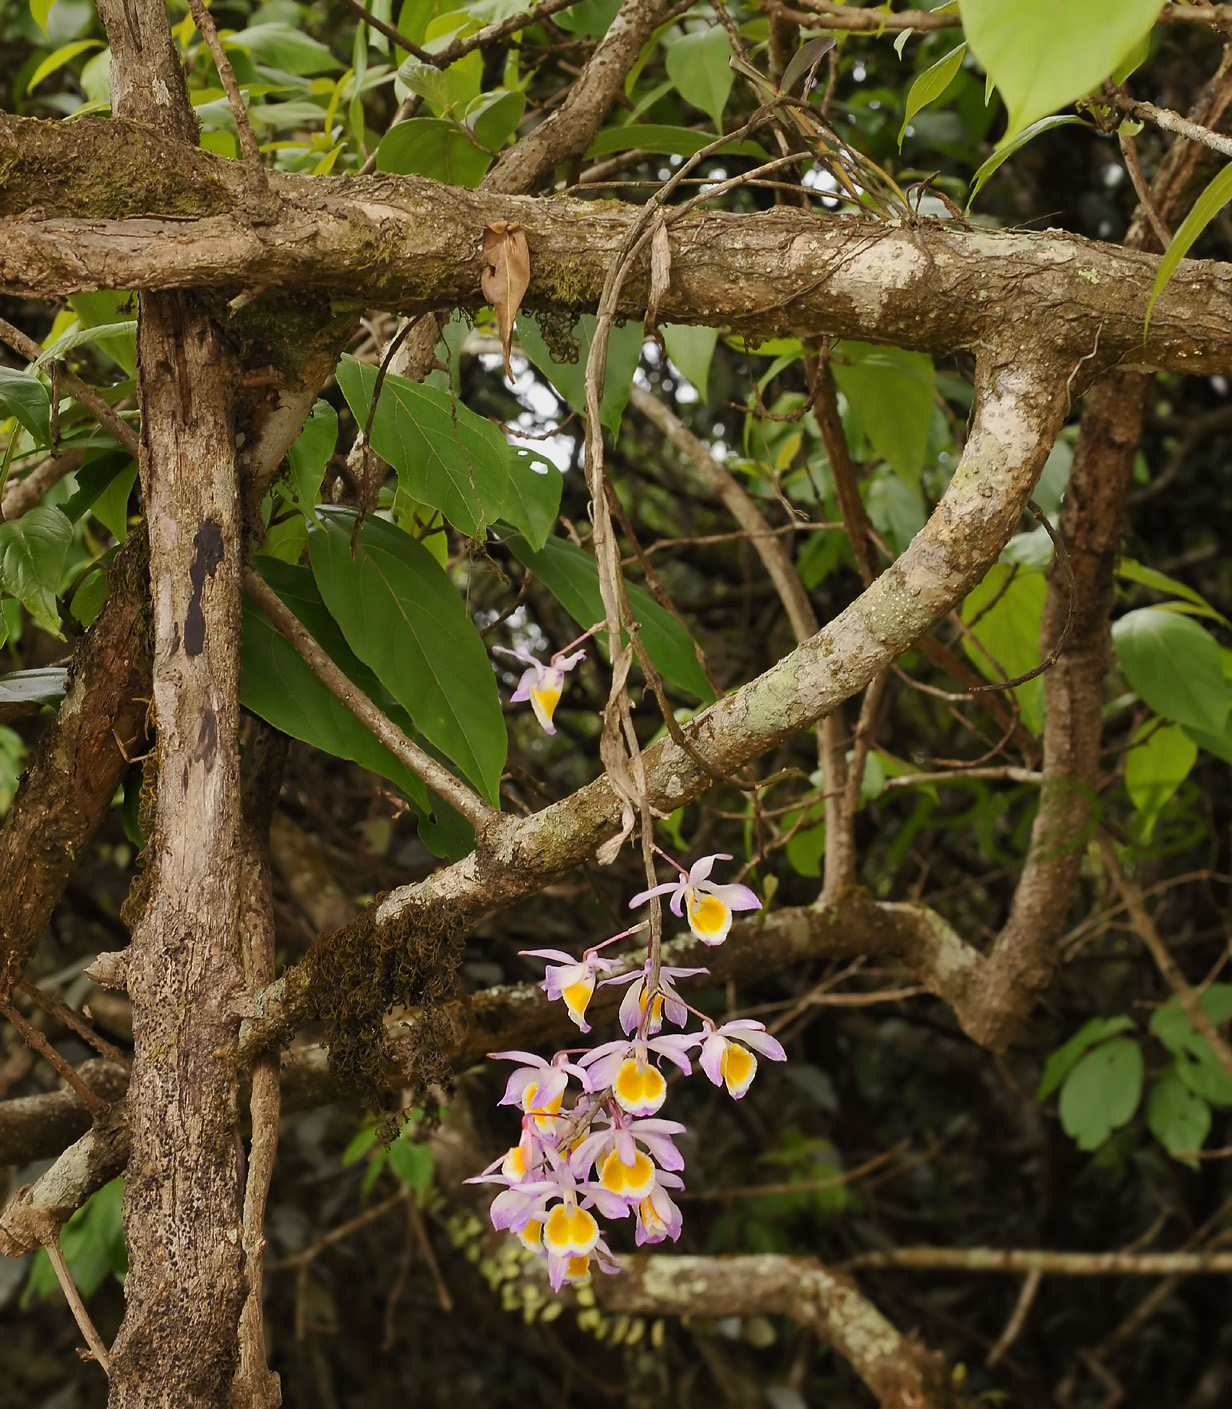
666, 1001
638, 1087
708, 906
728, 1061
572, 979
542, 684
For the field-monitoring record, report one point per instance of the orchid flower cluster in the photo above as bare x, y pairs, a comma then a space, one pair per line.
601, 1147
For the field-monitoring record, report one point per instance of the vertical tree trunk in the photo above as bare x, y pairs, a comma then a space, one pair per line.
177, 1344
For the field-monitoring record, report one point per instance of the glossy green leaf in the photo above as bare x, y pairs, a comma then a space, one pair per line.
1197, 1064
1174, 665
445, 454
494, 118
1203, 211
1218, 744
667, 141
24, 396
1161, 582
890, 393
65, 54
309, 455
282, 47
127, 327
698, 66
691, 348
930, 86
404, 619
32, 553
39, 10
433, 147
1178, 1119
533, 501
106, 308
44, 685
1157, 764
572, 578
1006, 620
1101, 1092
1007, 150
411, 1161
92, 1243
1042, 54
624, 349
1059, 1064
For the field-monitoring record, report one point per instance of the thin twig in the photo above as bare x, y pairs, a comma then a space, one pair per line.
35, 1039
442, 1291
309, 1255
1058, 1264
1018, 1317
807, 1186
1129, 151
1171, 121
77, 1306
243, 123
423, 765
60, 1010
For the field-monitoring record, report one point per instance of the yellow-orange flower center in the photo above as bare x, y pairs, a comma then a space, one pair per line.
570, 1231
738, 1067
577, 996
708, 914
639, 1087
547, 699
532, 1235
634, 1180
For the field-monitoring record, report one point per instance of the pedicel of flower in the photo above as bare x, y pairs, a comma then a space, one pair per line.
707, 905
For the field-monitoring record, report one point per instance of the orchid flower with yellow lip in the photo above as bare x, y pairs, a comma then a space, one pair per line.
542, 684
572, 979
708, 906
727, 1061
538, 1086
666, 1000
638, 1087
658, 1216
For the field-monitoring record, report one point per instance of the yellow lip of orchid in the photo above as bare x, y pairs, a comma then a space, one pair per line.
577, 997
545, 1115
639, 1088
633, 1181
738, 1066
570, 1231
543, 700
709, 918
531, 1237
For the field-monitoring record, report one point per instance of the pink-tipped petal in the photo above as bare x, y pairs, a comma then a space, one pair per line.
735, 896
711, 1059
644, 895
701, 869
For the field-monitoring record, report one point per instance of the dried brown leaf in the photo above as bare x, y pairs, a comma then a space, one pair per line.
506, 277
660, 272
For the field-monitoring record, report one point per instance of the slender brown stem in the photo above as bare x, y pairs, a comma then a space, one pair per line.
77, 1306
34, 1038
59, 1010
243, 124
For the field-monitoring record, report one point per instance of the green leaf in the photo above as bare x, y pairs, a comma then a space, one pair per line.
698, 66
692, 350
412, 1162
1204, 210
92, 1243
572, 578
101, 309
404, 619
890, 393
309, 455
494, 117
807, 56
93, 478
1101, 1092
79, 337
807, 847
1197, 1064
39, 10
1042, 54
665, 140
66, 53
1218, 744
1059, 1064
433, 147
44, 685
1007, 149
24, 396
445, 454
533, 500
360, 1143
1177, 1118
1174, 666
282, 47
1156, 767
624, 349
1161, 582
930, 86
32, 553
1006, 620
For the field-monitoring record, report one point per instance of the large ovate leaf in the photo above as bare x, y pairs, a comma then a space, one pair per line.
1005, 612
1196, 1063
533, 501
1178, 1119
698, 66
1161, 582
1042, 54
433, 147
692, 350
1157, 764
1061, 1062
404, 619
282, 47
106, 308
624, 348
32, 553
24, 396
1101, 1092
445, 455
1174, 666
310, 453
890, 393
573, 579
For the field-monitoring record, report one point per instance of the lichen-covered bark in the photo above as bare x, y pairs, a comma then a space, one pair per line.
177, 1343
80, 761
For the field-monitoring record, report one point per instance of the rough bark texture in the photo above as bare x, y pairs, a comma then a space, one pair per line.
79, 763
183, 1216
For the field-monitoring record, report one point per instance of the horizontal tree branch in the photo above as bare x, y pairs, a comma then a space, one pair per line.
412, 246
1063, 1264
